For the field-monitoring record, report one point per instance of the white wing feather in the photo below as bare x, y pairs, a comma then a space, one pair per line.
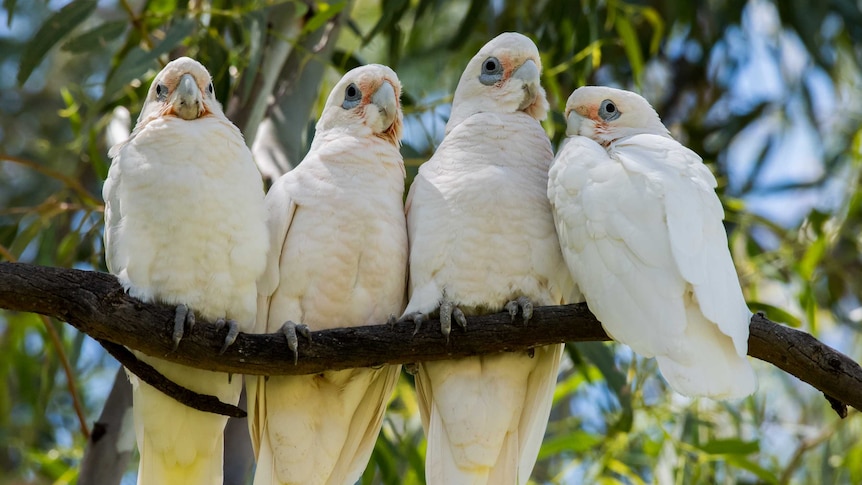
697, 236
616, 245
640, 226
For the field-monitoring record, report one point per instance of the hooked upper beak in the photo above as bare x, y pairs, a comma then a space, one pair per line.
574, 120
187, 101
386, 101
529, 74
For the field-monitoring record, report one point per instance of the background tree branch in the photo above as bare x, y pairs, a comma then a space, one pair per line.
96, 304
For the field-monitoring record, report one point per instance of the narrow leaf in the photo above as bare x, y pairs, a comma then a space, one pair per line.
52, 31
9, 5
95, 38
761, 473
324, 13
630, 44
577, 441
730, 447
138, 61
775, 314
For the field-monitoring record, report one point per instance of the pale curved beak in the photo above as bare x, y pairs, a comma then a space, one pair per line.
529, 74
573, 123
187, 99
386, 101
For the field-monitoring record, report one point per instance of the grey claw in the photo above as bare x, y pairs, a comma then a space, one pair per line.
411, 368
512, 308
526, 308
232, 333
524, 304
303, 330
460, 319
417, 318
446, 307
392, 320
182, 315
290, 329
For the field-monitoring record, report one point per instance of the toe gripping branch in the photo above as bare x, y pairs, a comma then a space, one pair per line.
290, 331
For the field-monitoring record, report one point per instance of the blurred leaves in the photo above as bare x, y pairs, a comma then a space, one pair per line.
52, 31
734, 80
137, 61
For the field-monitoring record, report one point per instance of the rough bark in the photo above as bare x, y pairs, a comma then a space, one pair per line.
97, 305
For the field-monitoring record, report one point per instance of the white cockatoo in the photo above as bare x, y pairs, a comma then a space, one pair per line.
482, 239
338, 259
185, 224
641, 229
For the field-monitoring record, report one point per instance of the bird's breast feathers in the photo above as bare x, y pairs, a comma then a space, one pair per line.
481, 206
193, 222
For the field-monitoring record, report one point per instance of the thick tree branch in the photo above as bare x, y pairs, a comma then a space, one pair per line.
96, 304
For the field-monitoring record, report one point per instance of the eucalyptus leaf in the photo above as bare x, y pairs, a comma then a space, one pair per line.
96, 38
138, 61
52, 31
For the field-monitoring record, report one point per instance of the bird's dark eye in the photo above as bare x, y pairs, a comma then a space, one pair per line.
210, 88
608, 111
161, 91
492, 71
352, 97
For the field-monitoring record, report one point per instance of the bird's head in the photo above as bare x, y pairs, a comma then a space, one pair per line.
366, 98
608, 114
183, 89
502, 78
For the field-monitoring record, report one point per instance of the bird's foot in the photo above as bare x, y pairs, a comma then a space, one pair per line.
182, 316
521, 303
449, 310
418, 318
232, 332
290, 329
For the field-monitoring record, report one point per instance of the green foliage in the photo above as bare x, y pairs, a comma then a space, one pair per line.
614, 420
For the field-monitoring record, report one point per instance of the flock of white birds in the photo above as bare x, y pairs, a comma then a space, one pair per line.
624, 217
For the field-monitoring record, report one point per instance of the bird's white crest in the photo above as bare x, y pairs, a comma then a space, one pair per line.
640, 227
503, 77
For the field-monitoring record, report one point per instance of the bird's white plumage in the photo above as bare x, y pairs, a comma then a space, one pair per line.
185, 223
640, 227
481, 234
339, 259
